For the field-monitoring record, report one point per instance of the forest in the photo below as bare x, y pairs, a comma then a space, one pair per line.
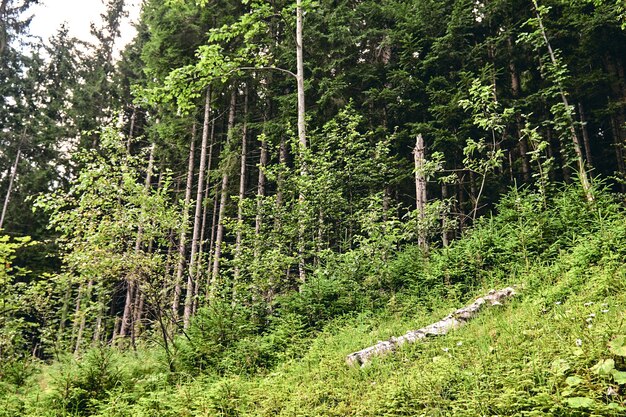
208, 220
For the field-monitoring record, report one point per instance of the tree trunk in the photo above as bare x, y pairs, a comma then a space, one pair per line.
585, 131
132, 285
219, 237
205, 208
137, 307
242, 190
126, 315
182, 239
451, 322
7, 196
420, 189
198, 211
261, 189
3, 28
523, 144
212, 242
83, 316
582, 171
301, 135
445, 238
619, 152
131, 130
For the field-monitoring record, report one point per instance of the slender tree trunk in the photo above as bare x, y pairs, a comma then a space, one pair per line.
137, 317
282, 160
83, 316
137, 307
131, 130
462, 200
619, 151
182, 239
132, 285
197, 219
126, 315
3, 27
7, 196
523, 144
212, 243
242, 191
260, 189
585, 131
582, 171
219, 237
420, 189
445, 239
301, 136
98, 328
205, 209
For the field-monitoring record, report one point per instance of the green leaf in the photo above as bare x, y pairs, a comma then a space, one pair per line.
617, 346
560, 366
616, 407
580, 402
619, 377
572, 381
604, 367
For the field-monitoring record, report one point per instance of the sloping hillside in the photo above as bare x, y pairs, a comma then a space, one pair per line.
557, 348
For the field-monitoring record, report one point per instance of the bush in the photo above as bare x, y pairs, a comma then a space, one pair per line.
79, 385
324, 296
212, 331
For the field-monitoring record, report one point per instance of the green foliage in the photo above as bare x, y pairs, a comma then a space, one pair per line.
213, 331
15, 324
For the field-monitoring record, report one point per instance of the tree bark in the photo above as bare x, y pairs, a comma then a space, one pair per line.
582, 171
205, 208
452, 321
7, 196
523, 144
420, 189
182, 239
261, 189
242, 190
219, 237
301, 134
132, 286
445, 238
83, 316
585, 131
198, 212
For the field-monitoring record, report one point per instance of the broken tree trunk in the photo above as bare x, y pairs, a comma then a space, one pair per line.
420, 189
451, 322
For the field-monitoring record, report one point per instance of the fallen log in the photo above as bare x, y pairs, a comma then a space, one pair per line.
451, 322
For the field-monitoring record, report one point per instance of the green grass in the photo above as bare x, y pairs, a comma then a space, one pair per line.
549, 351
513, 360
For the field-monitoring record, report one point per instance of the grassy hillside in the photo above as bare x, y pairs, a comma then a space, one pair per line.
556, 349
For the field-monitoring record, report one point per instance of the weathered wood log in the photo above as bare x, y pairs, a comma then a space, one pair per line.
451, 322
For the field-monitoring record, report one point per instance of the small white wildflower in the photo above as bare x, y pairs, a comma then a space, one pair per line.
459, 343
590, 303
445, 349
558, 303
605, 305
605, 311
592, 315
579, 342
589, 319
589, 326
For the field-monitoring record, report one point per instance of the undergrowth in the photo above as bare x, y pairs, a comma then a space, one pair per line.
556, 349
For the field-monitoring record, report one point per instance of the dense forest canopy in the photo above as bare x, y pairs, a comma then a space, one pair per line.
240, 155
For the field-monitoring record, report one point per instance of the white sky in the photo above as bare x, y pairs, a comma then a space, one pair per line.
50, 14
